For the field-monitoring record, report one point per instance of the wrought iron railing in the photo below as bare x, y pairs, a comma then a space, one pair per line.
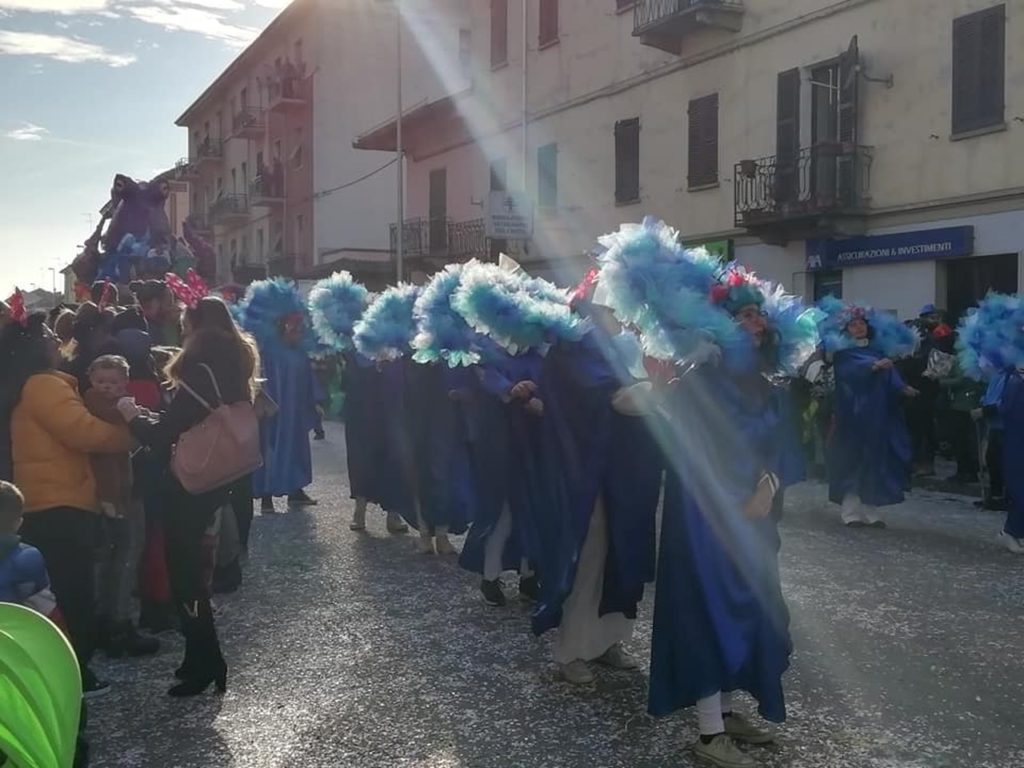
210, 149
266, 187
441, 238
248, 118
648, 14
816, 180
185, 169
229, 205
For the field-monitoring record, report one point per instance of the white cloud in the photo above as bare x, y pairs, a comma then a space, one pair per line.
55, 6
215, 5
58, 47
27, 132
272, 3
182, 19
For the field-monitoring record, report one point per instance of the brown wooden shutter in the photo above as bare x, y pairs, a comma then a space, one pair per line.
499, 32
627, 160
703, 141
548, 22
787, 135
979, 55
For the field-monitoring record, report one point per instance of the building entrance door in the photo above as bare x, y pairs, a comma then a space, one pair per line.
968, 280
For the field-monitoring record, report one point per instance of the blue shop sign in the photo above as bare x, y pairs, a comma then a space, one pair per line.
922, 245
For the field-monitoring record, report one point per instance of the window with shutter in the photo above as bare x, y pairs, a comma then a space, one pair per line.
703, 142
979, 72
548, 22
499, 170
787, 136
627, 160
499, 32
547, 176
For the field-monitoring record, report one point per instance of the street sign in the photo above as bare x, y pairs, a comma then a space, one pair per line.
508, 216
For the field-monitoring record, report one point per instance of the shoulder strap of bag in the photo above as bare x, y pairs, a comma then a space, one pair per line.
200, 398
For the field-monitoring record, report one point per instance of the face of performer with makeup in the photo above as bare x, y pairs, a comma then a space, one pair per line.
291, 330
752, 320
857, 328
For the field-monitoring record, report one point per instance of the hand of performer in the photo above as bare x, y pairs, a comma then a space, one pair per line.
127, 408
910, 392
524, 390
759, 506
534, 407
882, 365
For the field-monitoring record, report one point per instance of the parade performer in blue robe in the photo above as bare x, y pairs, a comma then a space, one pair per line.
870, 453
517, 469
599, 552
383, 336
720, 621
990, 345
275, 314
336, 304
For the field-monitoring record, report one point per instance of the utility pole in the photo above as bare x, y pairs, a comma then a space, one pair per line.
400, 226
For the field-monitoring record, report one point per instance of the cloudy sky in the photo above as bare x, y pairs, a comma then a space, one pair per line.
92, 88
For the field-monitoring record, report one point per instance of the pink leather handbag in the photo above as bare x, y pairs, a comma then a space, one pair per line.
220, 449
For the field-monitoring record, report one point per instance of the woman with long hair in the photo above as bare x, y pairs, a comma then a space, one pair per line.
219, 364
52, 437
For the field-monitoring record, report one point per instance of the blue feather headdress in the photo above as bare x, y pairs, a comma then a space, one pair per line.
387, 327
267, 306
990, 338
888, 335
517, 312
682, 300
442, 333
335, 305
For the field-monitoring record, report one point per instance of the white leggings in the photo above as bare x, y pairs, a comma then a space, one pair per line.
709, 713
855, 511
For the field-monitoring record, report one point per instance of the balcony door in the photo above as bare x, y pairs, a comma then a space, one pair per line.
824, 132
438, 210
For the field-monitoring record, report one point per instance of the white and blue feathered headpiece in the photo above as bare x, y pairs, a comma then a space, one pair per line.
517, 312
441, 332
387, 327
335, 305
887, 334
991, 337
268, 306
682, 300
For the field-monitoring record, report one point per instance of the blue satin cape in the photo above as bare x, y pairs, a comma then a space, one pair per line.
720, 621
869, 453
287, 461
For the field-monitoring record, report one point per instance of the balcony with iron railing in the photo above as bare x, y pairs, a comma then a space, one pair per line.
200, 224
248, 123
289, 91
819, 189
230, 208
441, 239
186, 170
266, 190
664, 24
209, 150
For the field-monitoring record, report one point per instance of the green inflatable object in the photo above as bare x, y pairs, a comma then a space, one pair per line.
40, 691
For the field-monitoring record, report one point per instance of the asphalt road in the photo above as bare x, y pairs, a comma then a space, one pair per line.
354, 650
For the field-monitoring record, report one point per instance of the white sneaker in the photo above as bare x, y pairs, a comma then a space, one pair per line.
1013, 544
723, 753
426, 545
741, 730
577, 672
396, 524
616, 658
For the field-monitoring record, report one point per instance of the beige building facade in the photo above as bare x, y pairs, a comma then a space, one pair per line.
866, 147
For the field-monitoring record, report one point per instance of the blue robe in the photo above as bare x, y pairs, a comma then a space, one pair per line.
444, 481
287, 461
394, 468
1011, 409
600, 453
720, 621
363, 439
870, 451
504, 438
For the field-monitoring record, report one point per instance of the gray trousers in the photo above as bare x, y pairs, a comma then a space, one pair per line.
117, 559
